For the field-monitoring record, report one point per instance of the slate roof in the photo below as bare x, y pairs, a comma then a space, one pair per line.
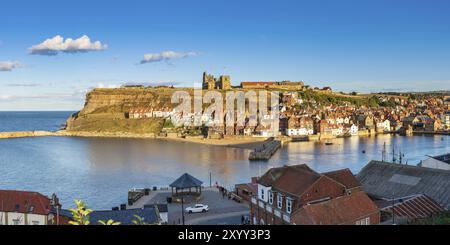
125, 217
24, 202
162, 208
341, 210
186, 181
391, 180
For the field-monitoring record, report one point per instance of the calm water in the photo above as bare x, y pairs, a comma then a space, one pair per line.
32, 120
100, 171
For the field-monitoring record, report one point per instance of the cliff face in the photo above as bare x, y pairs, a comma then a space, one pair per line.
105, 110
121, 100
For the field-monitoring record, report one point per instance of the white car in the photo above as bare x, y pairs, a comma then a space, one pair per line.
198, 208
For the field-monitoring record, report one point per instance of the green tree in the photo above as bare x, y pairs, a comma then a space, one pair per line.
80, 214
109, 222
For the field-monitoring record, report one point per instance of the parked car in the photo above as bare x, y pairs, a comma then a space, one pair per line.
197, 208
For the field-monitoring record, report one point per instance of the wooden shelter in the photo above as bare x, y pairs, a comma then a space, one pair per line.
185, 184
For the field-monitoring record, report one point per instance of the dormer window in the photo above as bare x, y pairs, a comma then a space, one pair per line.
279, 201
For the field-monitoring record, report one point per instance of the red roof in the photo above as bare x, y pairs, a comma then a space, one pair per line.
256, 83
342, 210
24, 202
295, 181
418, 206
345, 177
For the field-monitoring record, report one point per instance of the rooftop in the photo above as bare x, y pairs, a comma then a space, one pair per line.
388, 180
24, 202
341, 210
186, 181
297, 179
443, 158
413, 207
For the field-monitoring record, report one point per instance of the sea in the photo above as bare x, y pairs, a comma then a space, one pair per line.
100, 171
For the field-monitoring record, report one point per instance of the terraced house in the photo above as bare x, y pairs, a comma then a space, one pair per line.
299, 195
25, 208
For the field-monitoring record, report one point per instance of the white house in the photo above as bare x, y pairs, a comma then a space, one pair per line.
24, 208
299, 131
353, 130
384, 126
337, 131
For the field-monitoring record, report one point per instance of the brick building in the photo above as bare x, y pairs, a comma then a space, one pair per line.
299, 195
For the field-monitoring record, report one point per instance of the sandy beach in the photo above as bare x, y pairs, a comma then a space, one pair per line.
243, 142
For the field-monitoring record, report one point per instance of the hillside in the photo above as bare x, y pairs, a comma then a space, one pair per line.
105, 109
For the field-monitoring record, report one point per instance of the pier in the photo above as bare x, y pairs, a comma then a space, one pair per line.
265, 151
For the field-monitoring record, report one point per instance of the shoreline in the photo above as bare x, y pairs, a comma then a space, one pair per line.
234, 142
241, 142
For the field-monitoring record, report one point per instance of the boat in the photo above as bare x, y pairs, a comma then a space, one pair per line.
328, 142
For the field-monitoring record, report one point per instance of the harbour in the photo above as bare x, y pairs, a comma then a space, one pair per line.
102, 170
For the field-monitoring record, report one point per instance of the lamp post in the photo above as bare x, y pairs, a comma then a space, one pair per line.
182, 209
393, 208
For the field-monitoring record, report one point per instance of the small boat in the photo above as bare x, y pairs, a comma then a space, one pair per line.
328, 142
364, 151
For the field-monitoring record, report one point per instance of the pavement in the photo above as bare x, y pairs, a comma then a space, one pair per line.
221, 209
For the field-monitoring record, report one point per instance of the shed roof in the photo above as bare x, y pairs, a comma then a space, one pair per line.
392, 180
417, 206
186, 181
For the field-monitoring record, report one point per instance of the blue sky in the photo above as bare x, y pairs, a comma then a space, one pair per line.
348, 45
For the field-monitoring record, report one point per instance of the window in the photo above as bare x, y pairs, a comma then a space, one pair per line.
35, 222
280, 201
365, 221
270, 197
16, 221
262, 194
288, 205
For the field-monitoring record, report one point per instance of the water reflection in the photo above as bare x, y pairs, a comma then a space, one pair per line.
101, 170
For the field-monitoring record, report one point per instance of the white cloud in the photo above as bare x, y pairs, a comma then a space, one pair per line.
166, 55
10, 65
53, 46
102, 85
53, 96
23, 84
